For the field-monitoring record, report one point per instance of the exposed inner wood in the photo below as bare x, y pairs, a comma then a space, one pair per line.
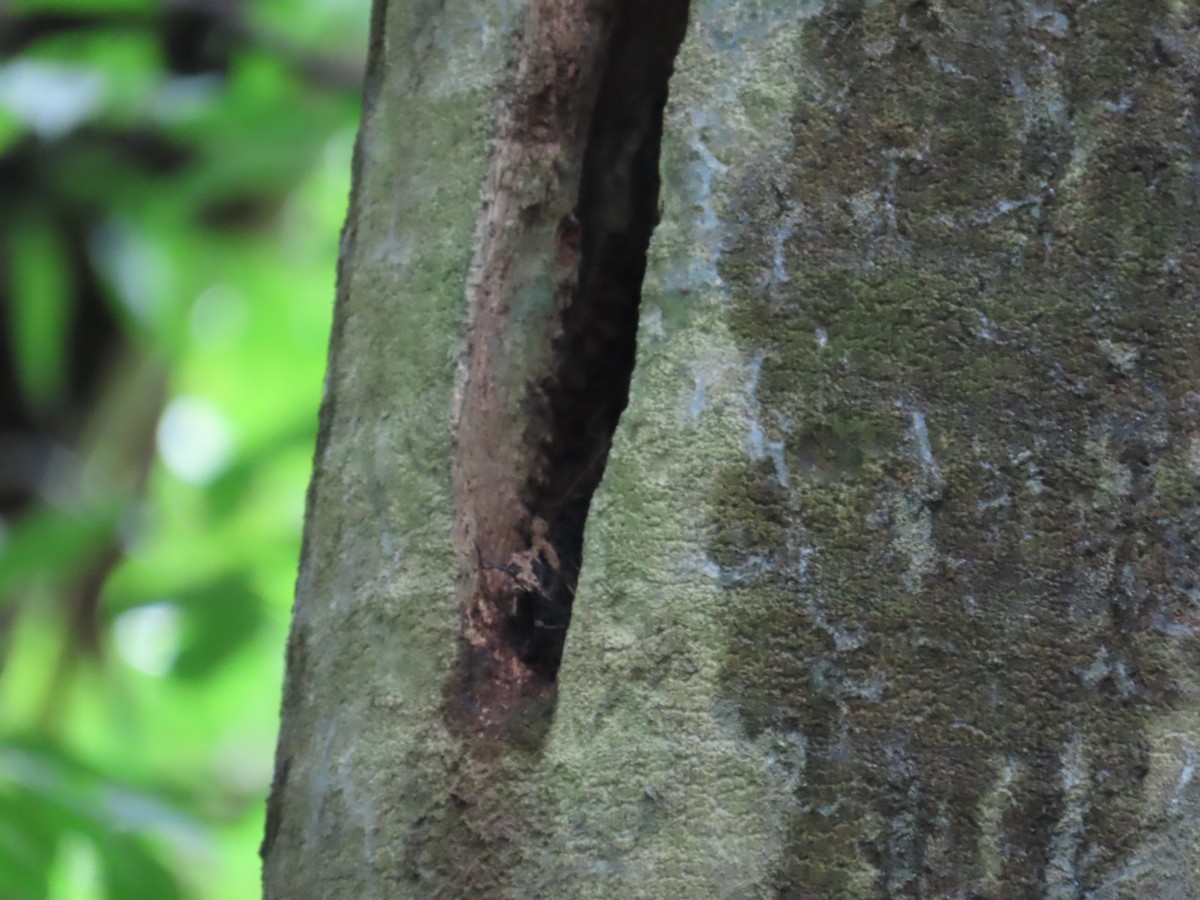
570, 202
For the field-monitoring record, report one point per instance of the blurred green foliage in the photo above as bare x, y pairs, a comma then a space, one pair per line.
173, 178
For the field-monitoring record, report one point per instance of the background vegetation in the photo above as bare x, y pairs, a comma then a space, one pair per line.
173, 176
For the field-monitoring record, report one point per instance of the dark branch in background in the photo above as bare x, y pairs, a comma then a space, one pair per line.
19, 32
34, 443
198, 37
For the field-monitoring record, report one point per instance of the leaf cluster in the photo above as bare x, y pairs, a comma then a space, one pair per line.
173, 176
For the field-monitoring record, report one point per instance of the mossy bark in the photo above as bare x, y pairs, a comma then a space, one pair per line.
890, 588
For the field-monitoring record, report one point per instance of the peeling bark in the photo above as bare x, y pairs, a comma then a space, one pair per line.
570, 202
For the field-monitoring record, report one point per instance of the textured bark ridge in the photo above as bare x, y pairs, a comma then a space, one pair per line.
570, 201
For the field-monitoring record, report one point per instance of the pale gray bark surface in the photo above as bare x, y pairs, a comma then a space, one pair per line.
890, 588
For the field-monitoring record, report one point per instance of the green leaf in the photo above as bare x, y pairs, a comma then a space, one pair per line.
46, 796
28, 844
132, 872
219, 618
54, 541
41, 285
11, 129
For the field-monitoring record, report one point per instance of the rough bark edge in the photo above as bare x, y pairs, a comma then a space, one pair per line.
296, 657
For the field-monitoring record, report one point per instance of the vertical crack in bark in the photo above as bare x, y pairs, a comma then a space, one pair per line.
570, 202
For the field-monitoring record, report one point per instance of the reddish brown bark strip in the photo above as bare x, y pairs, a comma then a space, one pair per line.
569, 204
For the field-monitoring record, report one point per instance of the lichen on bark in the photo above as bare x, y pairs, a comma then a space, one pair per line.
974, 363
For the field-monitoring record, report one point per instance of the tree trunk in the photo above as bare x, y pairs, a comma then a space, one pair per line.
890, 586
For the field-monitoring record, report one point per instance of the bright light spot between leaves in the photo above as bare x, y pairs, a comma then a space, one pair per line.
76, 870
50, 99
136, 268
147, 637
186, 99
194, 439
219, 314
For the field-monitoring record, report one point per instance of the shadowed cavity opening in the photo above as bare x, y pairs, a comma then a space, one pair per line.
595, 354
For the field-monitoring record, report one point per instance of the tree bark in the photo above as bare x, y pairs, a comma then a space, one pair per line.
888, 586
